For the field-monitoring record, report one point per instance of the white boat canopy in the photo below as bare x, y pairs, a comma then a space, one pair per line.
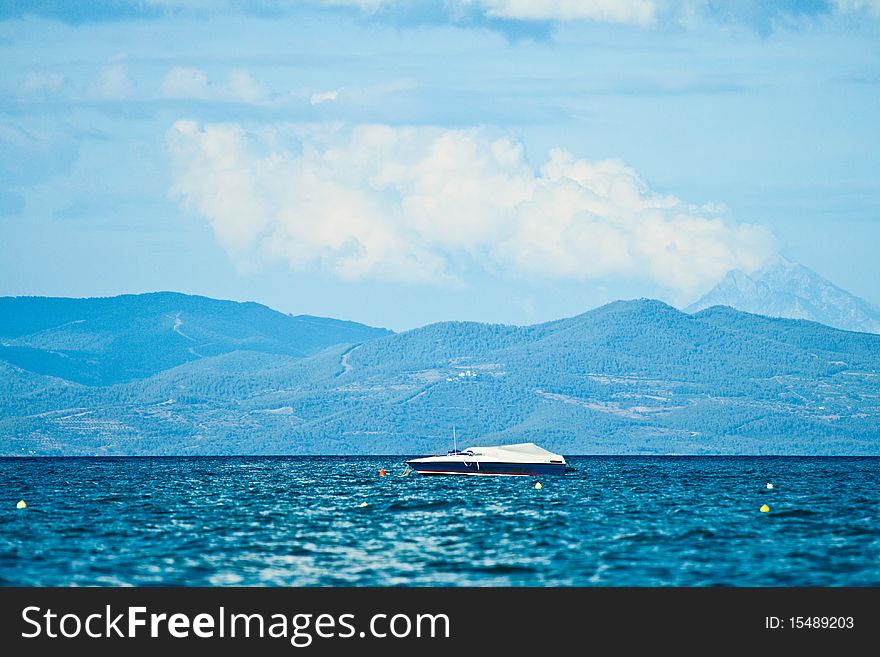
519, 453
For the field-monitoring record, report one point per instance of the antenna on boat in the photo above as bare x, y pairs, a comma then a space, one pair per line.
454, 441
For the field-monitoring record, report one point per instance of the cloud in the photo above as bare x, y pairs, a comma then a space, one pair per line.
42, 83
193, 84
760, 14
757, 14
323, 96
241, 86
871, 7
365, 5
640, 12
113, 82
424, 204
182, 82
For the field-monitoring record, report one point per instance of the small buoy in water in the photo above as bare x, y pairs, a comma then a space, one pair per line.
363, 504
382, 472
769, 486
538, 486
21, 505
765, 508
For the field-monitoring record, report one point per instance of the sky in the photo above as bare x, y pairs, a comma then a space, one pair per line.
399, 163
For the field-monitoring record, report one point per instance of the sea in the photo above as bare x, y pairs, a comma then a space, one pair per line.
334, 521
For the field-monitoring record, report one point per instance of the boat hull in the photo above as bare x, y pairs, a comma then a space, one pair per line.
487, 468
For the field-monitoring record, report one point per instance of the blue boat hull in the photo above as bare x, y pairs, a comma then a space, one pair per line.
488, 468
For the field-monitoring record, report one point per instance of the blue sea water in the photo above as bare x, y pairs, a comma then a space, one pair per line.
292, 521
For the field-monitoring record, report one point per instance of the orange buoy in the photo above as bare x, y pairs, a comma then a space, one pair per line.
382, 473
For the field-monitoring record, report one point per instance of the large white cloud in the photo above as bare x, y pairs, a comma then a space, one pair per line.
428, 204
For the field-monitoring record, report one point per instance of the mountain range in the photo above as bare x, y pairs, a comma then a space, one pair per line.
103, 341
168, 373
782, 288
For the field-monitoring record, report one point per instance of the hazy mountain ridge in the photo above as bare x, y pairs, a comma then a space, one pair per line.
629, 377
782, 288
110, 340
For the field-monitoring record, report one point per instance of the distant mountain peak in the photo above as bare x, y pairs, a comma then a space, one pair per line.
641, 305
784, 288
778, 262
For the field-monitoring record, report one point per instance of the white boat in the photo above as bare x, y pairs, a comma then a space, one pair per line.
522, 459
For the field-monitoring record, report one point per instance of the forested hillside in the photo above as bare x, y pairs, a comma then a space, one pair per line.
629, 377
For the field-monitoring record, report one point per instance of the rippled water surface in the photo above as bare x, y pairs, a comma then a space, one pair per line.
299, 521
